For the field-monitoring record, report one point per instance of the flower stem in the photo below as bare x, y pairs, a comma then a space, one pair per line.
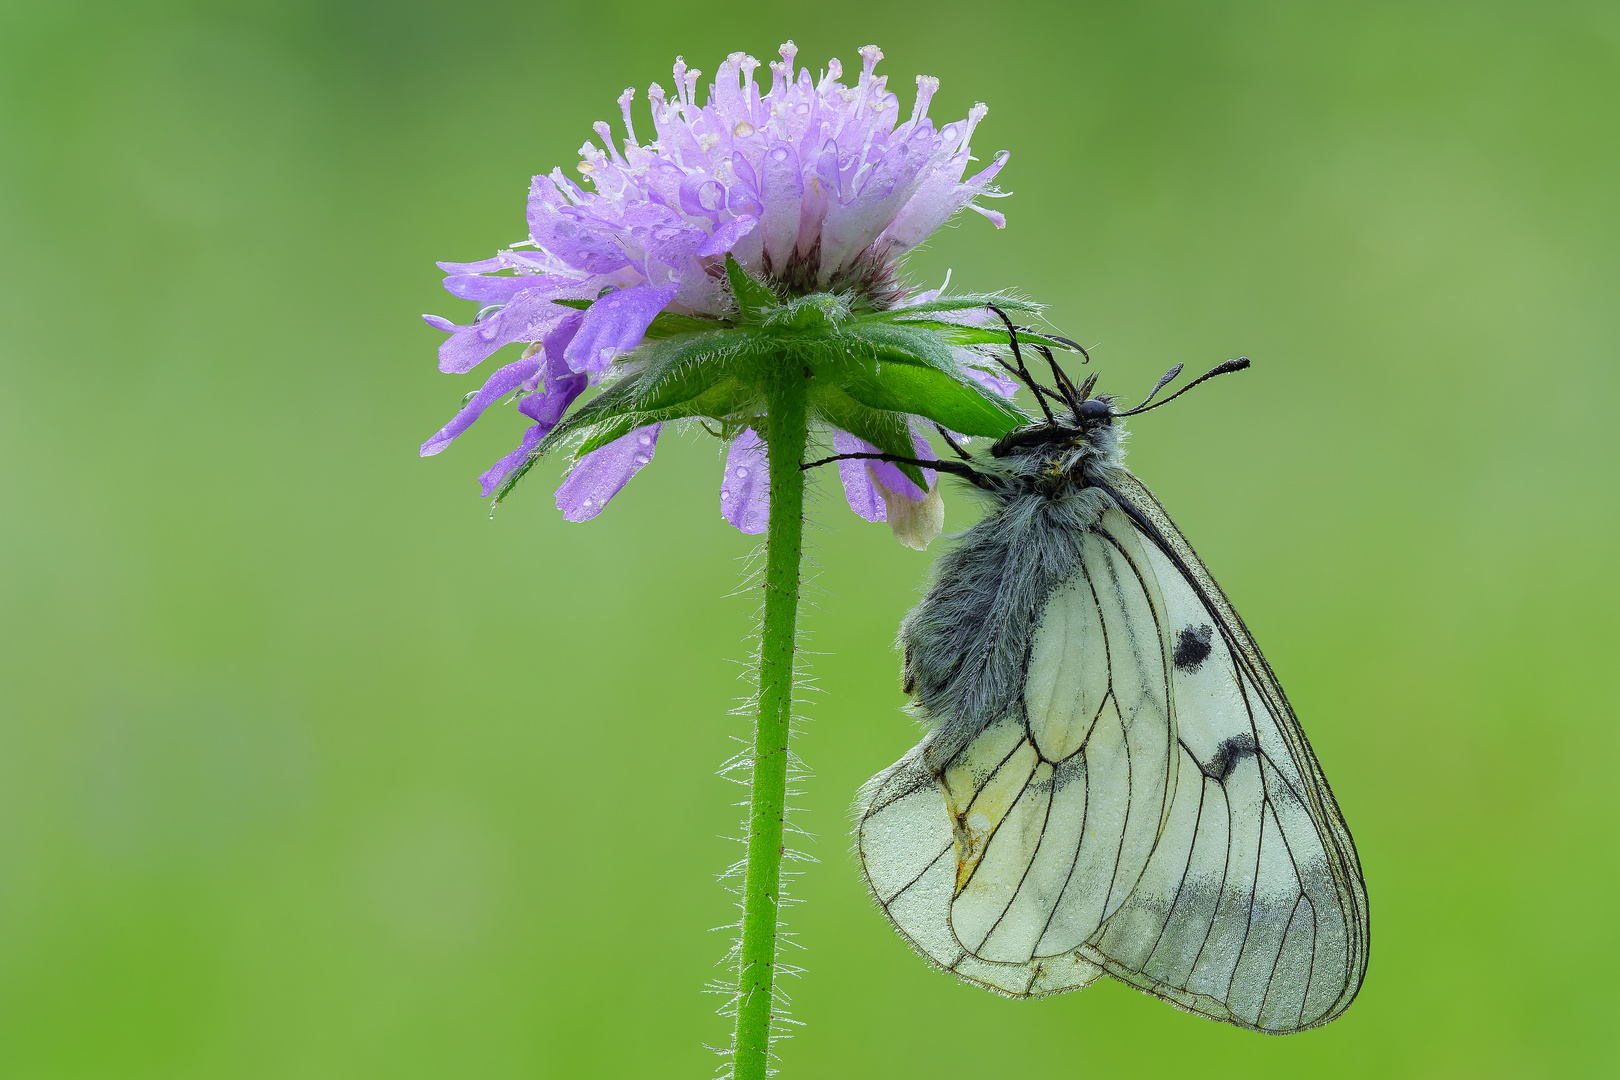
785, 437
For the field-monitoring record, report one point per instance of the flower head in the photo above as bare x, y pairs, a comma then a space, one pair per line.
783, 212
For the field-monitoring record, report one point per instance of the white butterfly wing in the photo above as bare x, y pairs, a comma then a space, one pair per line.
1166, 823
1051, 813
1253, 909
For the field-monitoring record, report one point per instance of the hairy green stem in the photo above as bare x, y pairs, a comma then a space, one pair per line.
785, 437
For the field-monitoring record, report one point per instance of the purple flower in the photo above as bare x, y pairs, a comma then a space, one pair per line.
810, 185
602, 473
745, 489
878, 491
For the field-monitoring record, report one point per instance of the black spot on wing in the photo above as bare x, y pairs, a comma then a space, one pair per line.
1192, 647
1227, 755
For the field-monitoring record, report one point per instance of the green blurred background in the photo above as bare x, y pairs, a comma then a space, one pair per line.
308, 769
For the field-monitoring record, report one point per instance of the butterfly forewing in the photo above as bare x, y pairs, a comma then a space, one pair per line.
1260, 919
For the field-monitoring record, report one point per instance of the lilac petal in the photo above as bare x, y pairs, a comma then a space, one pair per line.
988, 173
503, 382
782, 191
439, 322
991, 380
557, 340
529, 317
548, 406
930, 206
498, 472
745, 491
482, 266
545, 408
928, 296
890, 476
564, 231
505, 260
703, 196
500, 290
743, 195
616, 323
602, 473
562, 385
997, 218
726, 236
858, 487
854, 220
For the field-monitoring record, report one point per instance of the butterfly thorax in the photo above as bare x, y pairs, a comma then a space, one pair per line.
966, 642
1053, 459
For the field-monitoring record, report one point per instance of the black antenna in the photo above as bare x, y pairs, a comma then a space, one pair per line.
961, 453
1220, 369
955, 468
1164, 380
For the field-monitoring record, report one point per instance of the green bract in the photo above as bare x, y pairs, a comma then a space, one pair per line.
868, 371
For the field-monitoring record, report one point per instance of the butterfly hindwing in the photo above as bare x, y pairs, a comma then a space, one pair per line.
1051, 812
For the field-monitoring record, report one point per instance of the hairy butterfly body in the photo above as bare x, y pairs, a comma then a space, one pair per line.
1113, 782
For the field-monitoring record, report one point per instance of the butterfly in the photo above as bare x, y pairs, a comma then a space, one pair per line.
1112, 781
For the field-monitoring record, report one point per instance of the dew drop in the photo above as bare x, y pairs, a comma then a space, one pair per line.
742, 473
743, 129
646, 440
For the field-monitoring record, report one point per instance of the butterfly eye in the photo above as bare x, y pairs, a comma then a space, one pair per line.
1094, 409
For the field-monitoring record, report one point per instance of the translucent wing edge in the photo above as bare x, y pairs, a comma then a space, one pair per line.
1149, 516
1056, 975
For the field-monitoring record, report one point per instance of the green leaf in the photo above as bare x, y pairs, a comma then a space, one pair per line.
815, 312
687, 375
915, 389
890, 432
913, 372
754, 297
667, 324
716, 403
685, 365
994, 334
959, 303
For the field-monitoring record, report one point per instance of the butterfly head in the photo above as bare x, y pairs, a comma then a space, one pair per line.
1094, 410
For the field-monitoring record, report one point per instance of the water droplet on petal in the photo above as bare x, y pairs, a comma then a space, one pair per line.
646, 440
743, 129
741, 472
